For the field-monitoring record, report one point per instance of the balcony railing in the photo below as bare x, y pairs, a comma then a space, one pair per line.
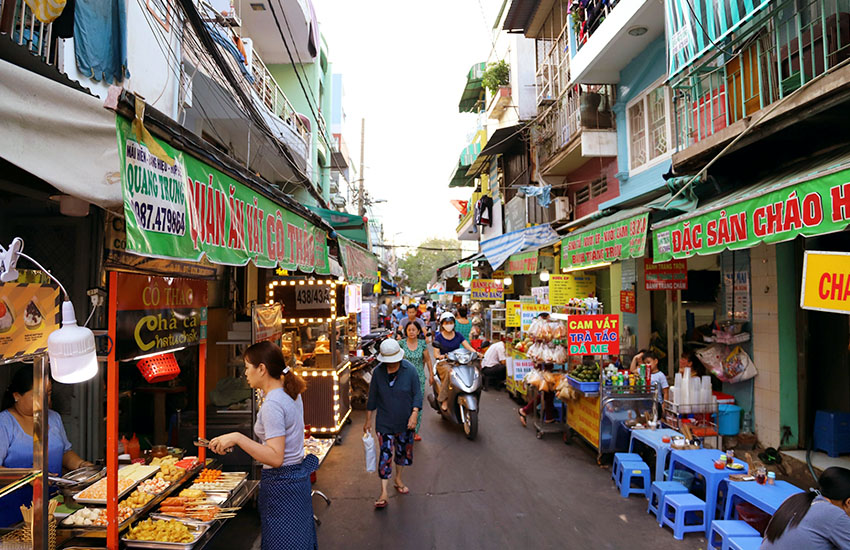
553, 67
587, 15
25, 30
788, 46
584, 106
273, 97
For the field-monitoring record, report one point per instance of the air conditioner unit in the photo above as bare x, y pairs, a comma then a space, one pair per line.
563, 208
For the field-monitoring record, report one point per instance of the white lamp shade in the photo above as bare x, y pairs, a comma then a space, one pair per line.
71, 349
508, 281
544, 276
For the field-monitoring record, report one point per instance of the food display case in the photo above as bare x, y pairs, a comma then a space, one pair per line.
317, 341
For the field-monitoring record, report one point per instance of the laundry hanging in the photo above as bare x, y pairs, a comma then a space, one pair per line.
100, 39
46, 11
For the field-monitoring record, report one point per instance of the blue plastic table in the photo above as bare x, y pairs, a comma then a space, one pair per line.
766, 498
701, 461
652, 439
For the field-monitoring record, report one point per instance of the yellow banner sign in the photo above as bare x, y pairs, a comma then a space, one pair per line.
530, 312
826, 282
512, 313
562, 288
583, 417
486, 289
29, 312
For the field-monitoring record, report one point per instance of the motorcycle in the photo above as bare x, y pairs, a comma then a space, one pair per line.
464, 391
362, 365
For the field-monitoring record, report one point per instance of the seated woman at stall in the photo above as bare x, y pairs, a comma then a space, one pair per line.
16, 429
815, 520
689, 360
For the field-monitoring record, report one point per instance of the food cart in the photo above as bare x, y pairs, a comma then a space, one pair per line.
316, 338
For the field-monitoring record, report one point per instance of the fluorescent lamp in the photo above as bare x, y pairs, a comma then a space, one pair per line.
71, 349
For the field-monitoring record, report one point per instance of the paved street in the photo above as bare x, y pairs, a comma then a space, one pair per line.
504, 490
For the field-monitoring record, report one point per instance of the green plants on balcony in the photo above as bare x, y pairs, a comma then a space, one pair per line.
497, 74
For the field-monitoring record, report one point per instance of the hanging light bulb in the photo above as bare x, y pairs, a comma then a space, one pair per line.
508, 281
544, 276
465, 283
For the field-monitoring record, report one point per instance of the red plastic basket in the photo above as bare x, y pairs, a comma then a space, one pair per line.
159, 368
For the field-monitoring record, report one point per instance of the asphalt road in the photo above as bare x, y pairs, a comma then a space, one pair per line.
506, 490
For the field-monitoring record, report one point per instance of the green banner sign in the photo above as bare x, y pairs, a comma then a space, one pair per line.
464, 271
814, 207
522, 263
619, 240
360, 265
189, 210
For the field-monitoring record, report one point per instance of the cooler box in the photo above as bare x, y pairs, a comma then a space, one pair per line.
723, 398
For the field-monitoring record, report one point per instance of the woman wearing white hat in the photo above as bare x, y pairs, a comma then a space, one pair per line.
396, 395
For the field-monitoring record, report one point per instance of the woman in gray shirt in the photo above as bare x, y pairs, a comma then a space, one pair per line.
286, 507
815, 520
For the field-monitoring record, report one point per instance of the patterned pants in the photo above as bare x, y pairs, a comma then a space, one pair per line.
402, 443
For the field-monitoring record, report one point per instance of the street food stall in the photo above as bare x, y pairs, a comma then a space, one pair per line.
315, 340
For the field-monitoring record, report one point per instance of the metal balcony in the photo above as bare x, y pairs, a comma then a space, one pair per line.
25, 30
563, 121
787, 46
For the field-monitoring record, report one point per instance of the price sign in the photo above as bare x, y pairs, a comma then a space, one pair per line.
512, 313
530, 312
564, 287
521, 368
313, 297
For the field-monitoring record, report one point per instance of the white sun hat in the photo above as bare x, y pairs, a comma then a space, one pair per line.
445, 316
390, 352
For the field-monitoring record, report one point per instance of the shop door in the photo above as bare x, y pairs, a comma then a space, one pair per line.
828, 362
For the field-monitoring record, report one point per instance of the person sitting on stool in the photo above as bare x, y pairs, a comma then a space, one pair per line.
493, 366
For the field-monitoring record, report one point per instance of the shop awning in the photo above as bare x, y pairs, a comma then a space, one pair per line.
519, 15
387, 284
804, 201
348, 225
472, 99
612, 238
59, 134
212, 215
360, 265
499, 249
503, 140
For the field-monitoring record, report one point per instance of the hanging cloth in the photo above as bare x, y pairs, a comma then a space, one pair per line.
100, 39
46, 11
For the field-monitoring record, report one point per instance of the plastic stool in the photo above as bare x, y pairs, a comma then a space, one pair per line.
723, 530
658, 491
633, 471
623, 457
681, 504
745, 543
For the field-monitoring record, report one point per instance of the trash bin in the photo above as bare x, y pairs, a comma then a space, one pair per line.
728, 419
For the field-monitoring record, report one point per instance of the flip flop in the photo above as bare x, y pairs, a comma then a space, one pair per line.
401, 489
522, 418
417, 437
380, 504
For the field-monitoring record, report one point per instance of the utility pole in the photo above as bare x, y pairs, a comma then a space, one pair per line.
361, 209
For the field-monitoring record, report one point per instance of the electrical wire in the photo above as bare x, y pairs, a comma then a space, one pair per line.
705, 32
38, 265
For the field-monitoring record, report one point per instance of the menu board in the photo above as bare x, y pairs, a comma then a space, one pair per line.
530, 312
562, 288
513, 309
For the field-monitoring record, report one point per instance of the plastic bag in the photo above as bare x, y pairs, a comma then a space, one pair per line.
729, 366
371, 452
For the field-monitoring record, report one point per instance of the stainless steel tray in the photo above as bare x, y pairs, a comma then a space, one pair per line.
122, 494
199, 532
243, 475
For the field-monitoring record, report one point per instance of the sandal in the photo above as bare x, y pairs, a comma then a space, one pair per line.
380, 504
401, 489
417, 437
522, 418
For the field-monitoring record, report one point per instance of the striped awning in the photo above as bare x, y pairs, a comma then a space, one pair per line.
472, 99
499, 249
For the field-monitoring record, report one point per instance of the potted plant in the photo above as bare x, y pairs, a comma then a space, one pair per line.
496, 76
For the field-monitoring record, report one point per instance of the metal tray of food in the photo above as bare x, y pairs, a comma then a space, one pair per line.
199, 531
223, 489
121, 494
187, 521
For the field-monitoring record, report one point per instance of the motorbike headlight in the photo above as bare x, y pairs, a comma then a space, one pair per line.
464, 358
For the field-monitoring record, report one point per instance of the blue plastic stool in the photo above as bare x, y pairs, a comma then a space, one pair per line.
681, 505
745, 543
634, 471
658, 491
622, 457
723, 530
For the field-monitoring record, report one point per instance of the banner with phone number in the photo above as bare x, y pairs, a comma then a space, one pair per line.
189, 209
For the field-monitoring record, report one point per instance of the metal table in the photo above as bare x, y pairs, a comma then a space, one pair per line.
653, 439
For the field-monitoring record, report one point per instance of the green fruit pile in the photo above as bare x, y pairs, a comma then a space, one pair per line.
586, 373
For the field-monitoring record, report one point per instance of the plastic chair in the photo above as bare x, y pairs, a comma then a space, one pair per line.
622, 457
658, 491
683, 507
631, 472
723, 530
745, 543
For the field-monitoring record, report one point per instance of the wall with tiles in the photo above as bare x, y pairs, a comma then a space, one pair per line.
765, 327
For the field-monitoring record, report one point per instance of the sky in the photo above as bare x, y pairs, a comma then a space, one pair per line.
404, 66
